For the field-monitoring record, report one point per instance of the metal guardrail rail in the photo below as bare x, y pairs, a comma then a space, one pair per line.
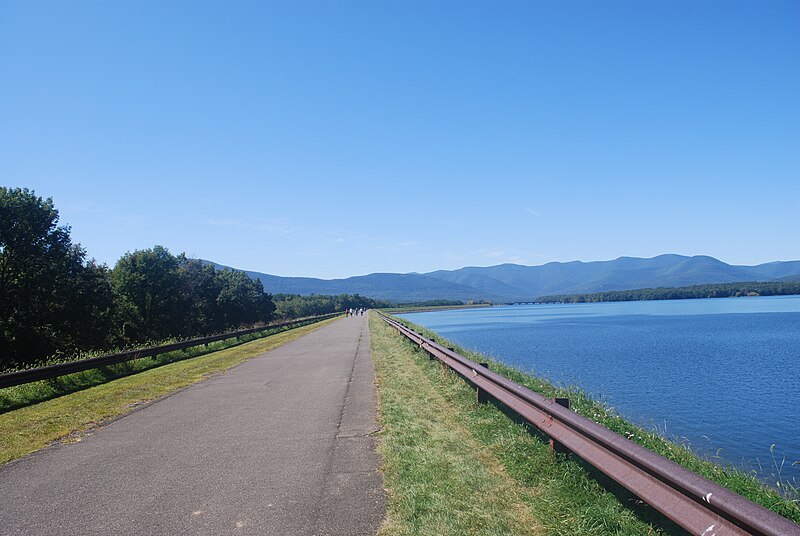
11, 379
695, 503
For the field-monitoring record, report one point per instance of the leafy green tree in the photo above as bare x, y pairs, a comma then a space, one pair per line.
90, 318
51, 298
242, 300
161, 295
200, 287
147, 285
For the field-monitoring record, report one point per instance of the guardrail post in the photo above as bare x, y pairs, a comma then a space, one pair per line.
555, 446
481, 394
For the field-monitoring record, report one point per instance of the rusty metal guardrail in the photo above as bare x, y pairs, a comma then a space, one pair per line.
11, 379
695, 503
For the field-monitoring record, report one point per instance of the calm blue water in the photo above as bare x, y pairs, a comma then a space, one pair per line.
720, 374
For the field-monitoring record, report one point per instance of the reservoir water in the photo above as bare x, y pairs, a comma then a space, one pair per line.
722, 375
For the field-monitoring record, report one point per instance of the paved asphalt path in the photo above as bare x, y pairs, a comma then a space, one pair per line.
279, 445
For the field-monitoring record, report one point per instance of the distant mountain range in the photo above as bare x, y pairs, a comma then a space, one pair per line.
510, 283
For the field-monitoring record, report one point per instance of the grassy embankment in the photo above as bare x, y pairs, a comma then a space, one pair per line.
439, 447
29, 428
35, 392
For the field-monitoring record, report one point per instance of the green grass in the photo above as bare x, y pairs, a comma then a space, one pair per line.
32, 427
566, 496
440, 480
785, 500
437, 485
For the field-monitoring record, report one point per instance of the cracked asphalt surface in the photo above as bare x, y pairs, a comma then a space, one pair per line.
281, 444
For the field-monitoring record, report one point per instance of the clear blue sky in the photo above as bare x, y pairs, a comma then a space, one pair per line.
331, 139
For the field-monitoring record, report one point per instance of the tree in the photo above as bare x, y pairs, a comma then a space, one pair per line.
89, 315
200, 287
161, 295
242, 300
297, 306
51, 299
147, 285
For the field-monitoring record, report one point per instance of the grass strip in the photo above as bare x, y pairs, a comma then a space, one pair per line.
551, 495
440, 480
30, 428
784, 502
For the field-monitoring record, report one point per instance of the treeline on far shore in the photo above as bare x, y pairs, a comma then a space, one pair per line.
721, 290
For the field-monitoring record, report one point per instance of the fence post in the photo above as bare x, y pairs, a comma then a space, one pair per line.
555, 446
482, 396
430, 355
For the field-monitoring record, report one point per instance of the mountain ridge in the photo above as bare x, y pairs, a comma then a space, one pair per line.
509, 283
